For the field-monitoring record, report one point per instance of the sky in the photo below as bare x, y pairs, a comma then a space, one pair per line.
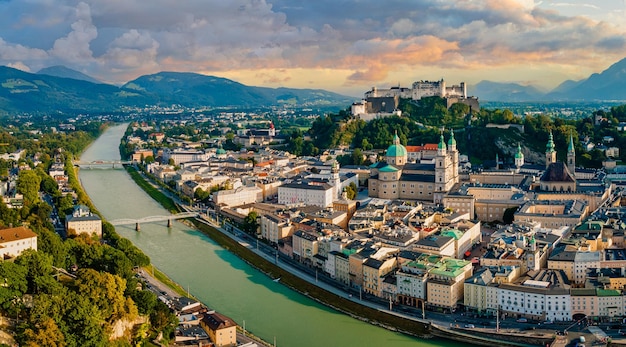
343, 46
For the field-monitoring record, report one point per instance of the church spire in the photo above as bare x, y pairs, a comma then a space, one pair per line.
571, 155
452, 140
442, 142
550, 151
550, 144
396, 139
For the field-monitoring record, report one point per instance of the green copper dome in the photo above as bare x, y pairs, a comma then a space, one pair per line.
550, 145
442, 143
220, 151
519, 154
452, 140
397, 149
388, 168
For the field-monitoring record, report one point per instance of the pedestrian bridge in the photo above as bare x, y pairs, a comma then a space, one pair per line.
102, 164
153, 219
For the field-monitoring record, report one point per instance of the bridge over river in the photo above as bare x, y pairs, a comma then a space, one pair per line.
102, 164
153, 219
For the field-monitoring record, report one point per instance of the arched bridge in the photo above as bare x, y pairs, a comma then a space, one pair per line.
153, 219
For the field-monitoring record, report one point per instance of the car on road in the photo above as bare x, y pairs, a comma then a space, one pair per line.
522, 320
469, 326
622, 332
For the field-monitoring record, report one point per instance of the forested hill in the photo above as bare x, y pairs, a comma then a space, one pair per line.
423, 121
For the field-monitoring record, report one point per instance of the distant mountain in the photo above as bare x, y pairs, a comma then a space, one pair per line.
565, 87
193, 89
43, 92
65, 72
506, 92
26, 92
610, 84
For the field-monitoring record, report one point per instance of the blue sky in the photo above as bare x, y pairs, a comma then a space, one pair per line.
343, 46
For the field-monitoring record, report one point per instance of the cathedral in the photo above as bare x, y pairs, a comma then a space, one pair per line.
558, 176
395, 178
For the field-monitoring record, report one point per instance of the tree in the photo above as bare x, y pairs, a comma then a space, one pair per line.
44, 333
250, 224
351, 191
39, 271
201, 194
50, 243
357, 156
105, 290
163, 319
66, 204
28, 183
145, 300
13, 284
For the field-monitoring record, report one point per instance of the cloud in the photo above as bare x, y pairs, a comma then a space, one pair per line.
363, 42
19, 65
75, 47
279, 78
133, 50
11, 53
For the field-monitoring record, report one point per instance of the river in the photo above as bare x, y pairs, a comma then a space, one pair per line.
218, 278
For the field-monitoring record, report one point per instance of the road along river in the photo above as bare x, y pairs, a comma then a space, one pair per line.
218, 278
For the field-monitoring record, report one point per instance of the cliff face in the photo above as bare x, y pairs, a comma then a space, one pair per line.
124, 327
530, 156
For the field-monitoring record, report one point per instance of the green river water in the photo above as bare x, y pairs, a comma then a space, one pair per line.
219, 279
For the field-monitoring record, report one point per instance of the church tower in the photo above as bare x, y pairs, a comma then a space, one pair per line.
335, 179
441, 167
550, 151
454, 156
519, 157
571, 155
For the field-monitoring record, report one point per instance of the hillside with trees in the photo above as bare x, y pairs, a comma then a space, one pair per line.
423, 121
71, 292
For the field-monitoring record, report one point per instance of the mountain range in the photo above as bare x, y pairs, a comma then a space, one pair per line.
60, 89
609, 85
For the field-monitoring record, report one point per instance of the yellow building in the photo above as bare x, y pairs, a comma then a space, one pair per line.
446, 283
274, 227
475, 290
221, 329
562, 259
305, 246
553, 213
374, 272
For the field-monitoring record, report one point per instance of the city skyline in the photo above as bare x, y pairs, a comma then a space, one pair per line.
343, 47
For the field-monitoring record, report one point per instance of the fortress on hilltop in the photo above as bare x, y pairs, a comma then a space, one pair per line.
379, 103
